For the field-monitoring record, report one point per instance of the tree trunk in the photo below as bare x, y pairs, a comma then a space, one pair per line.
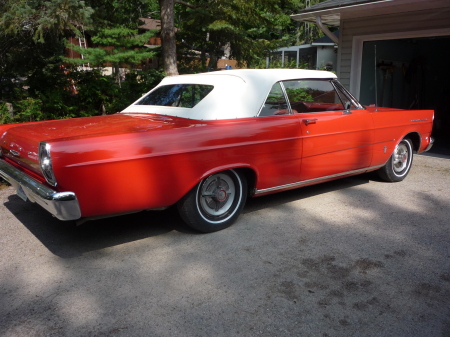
116, 71
169, 50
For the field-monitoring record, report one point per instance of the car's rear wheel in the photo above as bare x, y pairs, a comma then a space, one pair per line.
399, 164
215, 202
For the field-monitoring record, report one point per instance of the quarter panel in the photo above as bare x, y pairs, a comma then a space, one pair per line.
392, 125
156, 168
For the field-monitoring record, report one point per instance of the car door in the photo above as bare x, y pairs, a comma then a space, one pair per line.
337, 132
277, 137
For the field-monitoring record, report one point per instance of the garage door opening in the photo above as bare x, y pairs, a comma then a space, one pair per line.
411, 73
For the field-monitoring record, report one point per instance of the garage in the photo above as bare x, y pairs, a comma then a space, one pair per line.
393, 53
411, 73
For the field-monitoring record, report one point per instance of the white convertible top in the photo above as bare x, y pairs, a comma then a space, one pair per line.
236, 93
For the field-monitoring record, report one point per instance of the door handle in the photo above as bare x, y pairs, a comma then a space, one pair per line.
310, 121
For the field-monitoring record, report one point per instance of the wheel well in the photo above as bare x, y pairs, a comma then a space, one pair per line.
415, 139
250, 175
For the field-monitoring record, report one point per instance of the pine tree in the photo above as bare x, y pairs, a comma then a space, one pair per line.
127, 49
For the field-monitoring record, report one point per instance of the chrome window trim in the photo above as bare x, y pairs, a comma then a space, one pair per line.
352, 98
285, 98
339, 92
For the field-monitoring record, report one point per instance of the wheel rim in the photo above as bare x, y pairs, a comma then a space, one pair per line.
219, 196
401, 158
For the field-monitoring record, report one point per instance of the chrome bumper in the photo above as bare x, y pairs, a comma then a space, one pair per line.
429, 145
62, 205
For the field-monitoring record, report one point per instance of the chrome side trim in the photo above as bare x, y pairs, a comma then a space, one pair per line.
316, 180
62, 205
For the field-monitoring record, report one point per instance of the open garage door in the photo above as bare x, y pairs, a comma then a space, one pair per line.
411, 73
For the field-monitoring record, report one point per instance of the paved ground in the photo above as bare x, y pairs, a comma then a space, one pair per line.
354, 257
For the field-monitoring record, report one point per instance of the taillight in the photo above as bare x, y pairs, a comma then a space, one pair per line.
45, 162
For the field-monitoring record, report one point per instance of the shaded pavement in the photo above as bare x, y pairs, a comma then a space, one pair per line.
353, 257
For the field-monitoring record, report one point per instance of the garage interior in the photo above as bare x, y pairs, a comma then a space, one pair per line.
411, 73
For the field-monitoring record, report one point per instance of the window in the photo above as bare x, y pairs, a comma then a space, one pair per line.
275, 103
350, 102
177, 95
315, 96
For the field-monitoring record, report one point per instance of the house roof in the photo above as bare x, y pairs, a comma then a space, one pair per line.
336, 4
332, 11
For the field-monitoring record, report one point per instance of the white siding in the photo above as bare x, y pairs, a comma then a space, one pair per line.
385, 24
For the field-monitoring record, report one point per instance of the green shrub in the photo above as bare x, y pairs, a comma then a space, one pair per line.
66, 93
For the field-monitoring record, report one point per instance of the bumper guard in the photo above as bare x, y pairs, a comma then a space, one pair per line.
62, 205
430, 144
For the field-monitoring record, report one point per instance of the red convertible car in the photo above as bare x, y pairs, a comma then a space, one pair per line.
206, 142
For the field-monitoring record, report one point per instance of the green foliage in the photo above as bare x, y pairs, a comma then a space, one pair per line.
126, 48
277, 64
299, 95
33, 80
33, 35
110, 13
211, 25
30, 110
74, 93
39, 18
252, 28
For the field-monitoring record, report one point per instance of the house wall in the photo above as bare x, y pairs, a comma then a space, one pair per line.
425, 20
326, 55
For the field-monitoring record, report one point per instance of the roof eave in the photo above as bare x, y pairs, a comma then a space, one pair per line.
331, 16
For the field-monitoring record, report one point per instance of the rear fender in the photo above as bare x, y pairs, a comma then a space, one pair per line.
251, 173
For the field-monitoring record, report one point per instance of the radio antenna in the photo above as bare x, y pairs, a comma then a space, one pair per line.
376, 85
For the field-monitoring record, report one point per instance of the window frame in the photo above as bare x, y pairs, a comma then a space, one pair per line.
337, 86
352, 99
184, 88
283, 90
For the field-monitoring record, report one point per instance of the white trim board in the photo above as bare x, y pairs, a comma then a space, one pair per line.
357, 50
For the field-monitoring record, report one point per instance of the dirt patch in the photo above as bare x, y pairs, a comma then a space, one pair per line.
365, 265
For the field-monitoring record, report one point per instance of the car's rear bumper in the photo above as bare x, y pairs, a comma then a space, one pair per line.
62, 205
430, 144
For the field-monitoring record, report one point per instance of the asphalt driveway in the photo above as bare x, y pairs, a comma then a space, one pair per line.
353, 257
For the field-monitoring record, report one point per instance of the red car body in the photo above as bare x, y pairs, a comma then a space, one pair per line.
129, 162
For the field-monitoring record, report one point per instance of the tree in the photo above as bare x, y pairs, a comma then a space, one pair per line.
41, 18
127, 48
169, 50
32, 37
126, 13
250, 28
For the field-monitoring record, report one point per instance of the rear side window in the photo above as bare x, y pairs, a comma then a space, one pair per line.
275, 103
177, 95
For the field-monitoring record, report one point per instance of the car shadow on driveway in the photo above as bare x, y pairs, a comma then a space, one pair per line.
272, 200
66, 240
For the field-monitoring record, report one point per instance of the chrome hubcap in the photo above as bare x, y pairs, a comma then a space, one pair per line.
401, 157
217, 194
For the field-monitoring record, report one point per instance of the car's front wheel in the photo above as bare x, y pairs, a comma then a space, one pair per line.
215, 202
399, 164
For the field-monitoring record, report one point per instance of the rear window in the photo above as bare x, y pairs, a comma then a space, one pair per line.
177, 95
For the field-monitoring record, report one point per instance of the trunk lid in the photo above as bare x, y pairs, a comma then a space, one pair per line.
20, 143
